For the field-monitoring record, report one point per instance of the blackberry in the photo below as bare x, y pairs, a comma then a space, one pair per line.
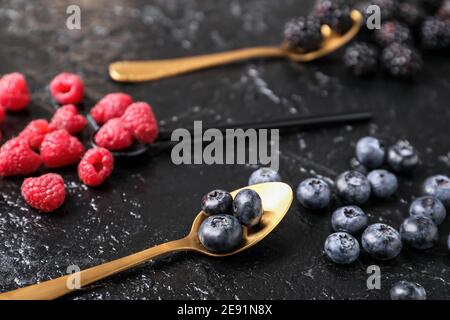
303, 33
335, 13
444, 10
392, 31
409, 13
387, 8
361, 58
401, 61
435, 33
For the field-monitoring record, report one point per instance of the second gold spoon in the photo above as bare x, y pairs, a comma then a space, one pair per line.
276, 199
138, 71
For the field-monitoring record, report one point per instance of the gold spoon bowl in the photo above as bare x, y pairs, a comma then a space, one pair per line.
139, 71
276, 200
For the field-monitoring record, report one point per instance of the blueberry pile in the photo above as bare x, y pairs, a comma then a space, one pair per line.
373, 174
221, 231
408, 27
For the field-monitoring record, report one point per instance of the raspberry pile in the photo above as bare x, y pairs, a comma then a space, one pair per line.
54, 144
407, 27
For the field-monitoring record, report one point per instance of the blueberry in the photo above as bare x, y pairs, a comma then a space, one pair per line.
217, 202
402, 157
353, 187
341, 248
220, 233
263, 175
382, 183
314, 194
419, 232
370, 152
247, 207
429, 207
351, 219
381, 241
405, 290
439, 187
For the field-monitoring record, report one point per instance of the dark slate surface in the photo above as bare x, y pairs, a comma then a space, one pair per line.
151, 201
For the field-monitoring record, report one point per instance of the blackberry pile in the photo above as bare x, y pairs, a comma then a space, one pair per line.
408, 27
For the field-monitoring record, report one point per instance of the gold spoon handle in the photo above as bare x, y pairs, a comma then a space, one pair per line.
58, 287
136, 71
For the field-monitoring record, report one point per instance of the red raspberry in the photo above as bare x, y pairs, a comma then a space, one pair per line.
112, 105
60, 149
35, 132
2, 113
140, 120
14, 93
95, 166
45, 193
67, 117
17, 158
67, 88
113, 135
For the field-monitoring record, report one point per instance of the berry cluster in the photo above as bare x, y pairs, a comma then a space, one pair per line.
55, 144
406, 26
355, 187
221, 231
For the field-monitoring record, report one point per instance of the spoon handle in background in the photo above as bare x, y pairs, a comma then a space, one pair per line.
58, 287
138, 71
296, 123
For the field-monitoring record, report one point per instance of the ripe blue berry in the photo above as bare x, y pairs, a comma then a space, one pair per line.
402, 157
419, 232
381, 241
217, 202
351, 219
405, 290
220, 233
341, 248
314, 194
353, 187
428, 207
263, 175
439, 187
247, 207
370, 152
383, 183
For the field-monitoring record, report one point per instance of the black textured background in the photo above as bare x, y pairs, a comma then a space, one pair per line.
151, 201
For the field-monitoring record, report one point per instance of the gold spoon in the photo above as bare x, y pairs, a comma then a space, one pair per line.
276, 199
138, 71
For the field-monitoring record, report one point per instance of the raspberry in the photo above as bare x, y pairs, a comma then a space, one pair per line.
95, 166
14, 93
392, 31
17, 158
303, 33
59, 149
67, 117
112, 105
361, 58
2, 113
401, 61
67, 88
113, 135
45, 193
335, 13
140, 120
35, 132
